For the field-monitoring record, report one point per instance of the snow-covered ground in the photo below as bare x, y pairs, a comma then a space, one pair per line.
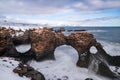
6, 69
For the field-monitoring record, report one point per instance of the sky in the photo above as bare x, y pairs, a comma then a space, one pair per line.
62, 12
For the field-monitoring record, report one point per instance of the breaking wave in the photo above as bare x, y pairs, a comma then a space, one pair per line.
97, 31
111, 48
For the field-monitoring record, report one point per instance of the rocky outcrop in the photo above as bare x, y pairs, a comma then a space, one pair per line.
81, 42
7, 47
21, 37
26, 70
44, 42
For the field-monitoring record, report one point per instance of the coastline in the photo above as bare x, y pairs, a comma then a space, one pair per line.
61, 40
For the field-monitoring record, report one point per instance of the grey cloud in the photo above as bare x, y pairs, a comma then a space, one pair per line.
102, 18
97, 19
55, 6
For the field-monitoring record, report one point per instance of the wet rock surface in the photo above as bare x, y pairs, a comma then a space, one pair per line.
45, 41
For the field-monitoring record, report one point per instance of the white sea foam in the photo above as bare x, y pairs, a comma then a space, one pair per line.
64, 66
97, 31
111, 48
23, 48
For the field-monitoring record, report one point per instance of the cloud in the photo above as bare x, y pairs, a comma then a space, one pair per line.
32, 7
95, 21
38, 7
102, 19
96, 6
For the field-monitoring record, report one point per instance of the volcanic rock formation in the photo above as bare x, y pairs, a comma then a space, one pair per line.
44, 42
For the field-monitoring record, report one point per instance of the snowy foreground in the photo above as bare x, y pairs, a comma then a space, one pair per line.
64, 68
6, 67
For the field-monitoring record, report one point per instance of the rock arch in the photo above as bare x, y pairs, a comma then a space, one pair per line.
45, 41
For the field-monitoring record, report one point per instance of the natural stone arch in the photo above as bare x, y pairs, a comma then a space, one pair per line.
44, 42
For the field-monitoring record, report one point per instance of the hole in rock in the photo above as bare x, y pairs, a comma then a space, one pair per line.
23, 48
93, 50
66, 52
66, 33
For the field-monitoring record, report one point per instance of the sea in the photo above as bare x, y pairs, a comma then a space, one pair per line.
64, 66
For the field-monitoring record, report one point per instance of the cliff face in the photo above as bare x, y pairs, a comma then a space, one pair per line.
44, 42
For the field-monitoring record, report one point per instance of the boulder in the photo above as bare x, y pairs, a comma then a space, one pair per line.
26, 70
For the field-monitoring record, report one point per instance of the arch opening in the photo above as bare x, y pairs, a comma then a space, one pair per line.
66, 53
23, 48
93, 50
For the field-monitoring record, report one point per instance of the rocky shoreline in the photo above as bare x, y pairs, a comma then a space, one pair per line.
43, 44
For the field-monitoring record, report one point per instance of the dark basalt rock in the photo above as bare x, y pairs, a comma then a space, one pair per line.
80, 30
105, 71
88, 79
26, 70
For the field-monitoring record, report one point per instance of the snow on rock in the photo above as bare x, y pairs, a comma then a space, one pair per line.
6, 69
